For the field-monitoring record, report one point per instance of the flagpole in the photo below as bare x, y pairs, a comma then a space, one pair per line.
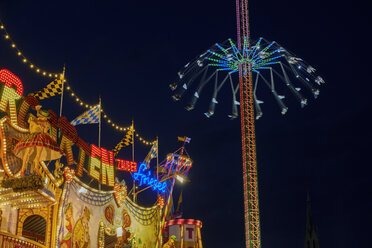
61, 103
99, 124
157, 158
157, 161
63, 88
132, 140
99, 141
134, 181
158, 241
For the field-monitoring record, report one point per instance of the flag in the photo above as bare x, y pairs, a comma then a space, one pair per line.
90, 116
179, 202
153, 153
52, 89
126, 141
184, 139
161, 169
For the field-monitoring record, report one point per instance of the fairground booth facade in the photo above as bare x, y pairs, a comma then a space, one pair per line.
56, 190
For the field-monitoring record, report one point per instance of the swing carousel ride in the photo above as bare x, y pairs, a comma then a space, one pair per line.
264, 63
56, 190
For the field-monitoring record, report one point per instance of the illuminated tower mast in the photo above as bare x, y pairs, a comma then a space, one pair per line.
250, 184
271, 64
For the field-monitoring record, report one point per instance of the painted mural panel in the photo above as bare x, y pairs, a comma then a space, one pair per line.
92, 219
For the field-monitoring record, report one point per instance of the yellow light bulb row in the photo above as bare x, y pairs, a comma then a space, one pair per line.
145, 142
38, 70
105, 116
23, 58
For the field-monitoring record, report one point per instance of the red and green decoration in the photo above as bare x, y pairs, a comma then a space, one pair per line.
101, 235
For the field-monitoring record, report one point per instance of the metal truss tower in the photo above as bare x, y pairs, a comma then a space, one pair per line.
250, 184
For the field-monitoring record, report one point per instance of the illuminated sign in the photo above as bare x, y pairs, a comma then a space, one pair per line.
12, 91
11, 81
101, 165
125, 165
101, 162
179, 163
144, 177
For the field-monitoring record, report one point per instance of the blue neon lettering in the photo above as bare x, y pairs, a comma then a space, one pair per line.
145, 178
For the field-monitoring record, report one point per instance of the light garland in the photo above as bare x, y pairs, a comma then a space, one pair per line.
23, 58
78, 100
105, 116
145, 216
22, 199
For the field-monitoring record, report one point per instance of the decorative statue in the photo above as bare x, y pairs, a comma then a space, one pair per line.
171, 242
58, 172
38, 145
80, 236
67, 238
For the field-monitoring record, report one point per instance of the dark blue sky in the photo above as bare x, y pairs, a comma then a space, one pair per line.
128, 52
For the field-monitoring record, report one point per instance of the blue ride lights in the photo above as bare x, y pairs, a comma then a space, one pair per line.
145, 178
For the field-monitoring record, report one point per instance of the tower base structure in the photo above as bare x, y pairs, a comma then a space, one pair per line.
187, 232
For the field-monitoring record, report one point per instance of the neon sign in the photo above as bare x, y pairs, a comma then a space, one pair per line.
179, 163
104, 161
144, 177
125, 165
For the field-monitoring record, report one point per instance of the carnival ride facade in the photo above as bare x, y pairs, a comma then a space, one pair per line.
56, 190
47, 197
254, 64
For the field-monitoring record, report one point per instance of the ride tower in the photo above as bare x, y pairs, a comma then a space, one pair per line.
250, 182
271, 65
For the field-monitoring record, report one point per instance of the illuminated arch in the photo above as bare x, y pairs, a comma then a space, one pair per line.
10, 80
34, 228
45, 213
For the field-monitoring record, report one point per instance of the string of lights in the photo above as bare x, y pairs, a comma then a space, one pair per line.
23, 58
40, 71
105, 116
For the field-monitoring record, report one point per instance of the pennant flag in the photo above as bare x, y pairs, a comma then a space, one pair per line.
161, 169
184, 139
52, 89
153, 153
126, 141
179, 202
90, 116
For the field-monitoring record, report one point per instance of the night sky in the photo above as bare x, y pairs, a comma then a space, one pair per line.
130, 51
